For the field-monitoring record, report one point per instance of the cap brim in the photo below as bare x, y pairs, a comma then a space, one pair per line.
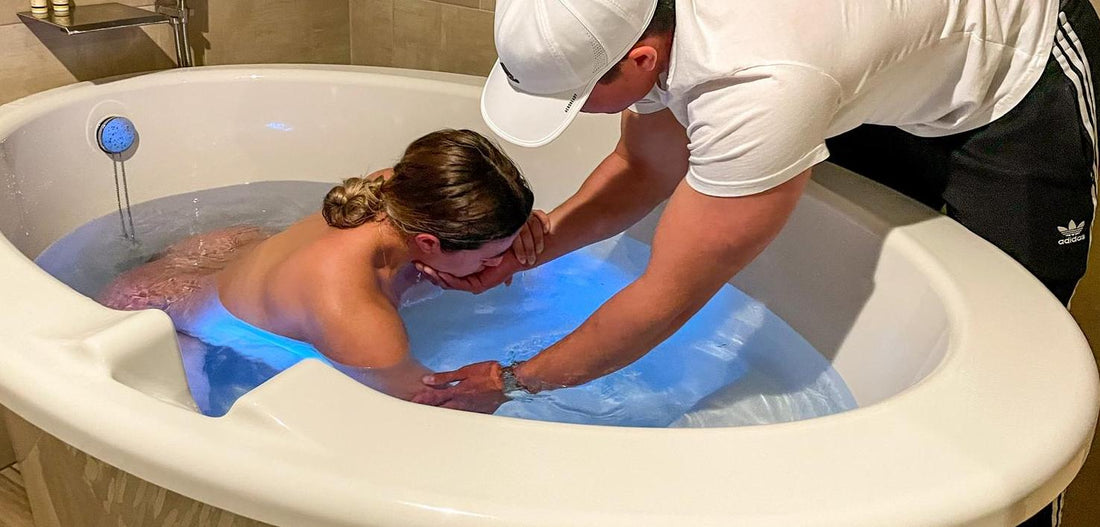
526, 119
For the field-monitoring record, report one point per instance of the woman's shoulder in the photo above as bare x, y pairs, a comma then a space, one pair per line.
333, 285
357, 328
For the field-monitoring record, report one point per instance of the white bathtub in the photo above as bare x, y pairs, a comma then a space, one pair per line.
978, 392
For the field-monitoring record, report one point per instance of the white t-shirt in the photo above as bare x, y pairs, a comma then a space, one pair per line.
760, 84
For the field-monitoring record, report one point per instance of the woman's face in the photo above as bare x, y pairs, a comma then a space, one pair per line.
467, 262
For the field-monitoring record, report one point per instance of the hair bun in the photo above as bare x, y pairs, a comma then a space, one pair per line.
353, 203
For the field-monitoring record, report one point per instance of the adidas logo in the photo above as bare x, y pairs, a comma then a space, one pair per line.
1072, 233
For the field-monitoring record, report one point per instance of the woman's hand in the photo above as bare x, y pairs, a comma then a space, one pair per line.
474, 388
529, 243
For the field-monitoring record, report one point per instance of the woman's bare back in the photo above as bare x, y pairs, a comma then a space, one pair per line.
179, 271
292, 284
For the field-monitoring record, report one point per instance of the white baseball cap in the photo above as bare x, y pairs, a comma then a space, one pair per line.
552, 53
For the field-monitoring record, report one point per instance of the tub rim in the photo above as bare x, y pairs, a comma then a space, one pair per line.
248, 482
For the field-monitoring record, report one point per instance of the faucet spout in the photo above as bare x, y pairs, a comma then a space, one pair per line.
178, 11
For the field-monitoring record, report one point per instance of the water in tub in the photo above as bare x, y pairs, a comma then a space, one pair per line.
734, 363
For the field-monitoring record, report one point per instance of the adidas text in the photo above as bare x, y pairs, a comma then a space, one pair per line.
1072, 233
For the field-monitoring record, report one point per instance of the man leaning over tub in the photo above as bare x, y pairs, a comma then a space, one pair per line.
984, 108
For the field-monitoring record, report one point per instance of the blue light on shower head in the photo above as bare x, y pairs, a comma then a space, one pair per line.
116, 135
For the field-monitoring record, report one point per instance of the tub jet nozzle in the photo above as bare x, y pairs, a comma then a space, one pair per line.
116, 135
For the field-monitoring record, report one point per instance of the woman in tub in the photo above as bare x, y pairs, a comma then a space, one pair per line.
329, 285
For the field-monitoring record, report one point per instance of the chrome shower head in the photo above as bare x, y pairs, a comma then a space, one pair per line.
116, 135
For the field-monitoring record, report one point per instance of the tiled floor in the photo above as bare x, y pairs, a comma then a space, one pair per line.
14, 510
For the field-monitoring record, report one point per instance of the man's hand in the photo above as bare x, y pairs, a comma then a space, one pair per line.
477, 388
529, 243
479, 282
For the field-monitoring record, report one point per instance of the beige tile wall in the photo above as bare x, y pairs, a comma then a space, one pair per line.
268, 31
452, 35
36, 58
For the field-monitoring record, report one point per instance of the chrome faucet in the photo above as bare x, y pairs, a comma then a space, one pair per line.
179, 14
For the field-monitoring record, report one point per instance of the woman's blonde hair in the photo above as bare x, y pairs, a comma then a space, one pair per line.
453, 184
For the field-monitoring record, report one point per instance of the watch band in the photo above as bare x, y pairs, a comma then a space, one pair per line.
509, 383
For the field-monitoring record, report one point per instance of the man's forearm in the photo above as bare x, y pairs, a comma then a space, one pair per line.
688, 265
614, 197
625, 328
649, 161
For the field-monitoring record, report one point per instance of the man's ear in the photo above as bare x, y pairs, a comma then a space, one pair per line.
427, 243
644, 57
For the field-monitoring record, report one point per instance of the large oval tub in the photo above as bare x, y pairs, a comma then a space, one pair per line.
977, 392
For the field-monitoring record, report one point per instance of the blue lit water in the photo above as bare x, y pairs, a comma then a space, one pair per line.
734, 363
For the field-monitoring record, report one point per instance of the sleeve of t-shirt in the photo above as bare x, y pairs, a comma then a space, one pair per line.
758, 128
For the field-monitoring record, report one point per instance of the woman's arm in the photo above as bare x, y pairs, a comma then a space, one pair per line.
365, 337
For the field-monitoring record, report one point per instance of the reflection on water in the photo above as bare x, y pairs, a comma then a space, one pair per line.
734, 363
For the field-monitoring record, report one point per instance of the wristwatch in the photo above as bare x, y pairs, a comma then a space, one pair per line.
509, 383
